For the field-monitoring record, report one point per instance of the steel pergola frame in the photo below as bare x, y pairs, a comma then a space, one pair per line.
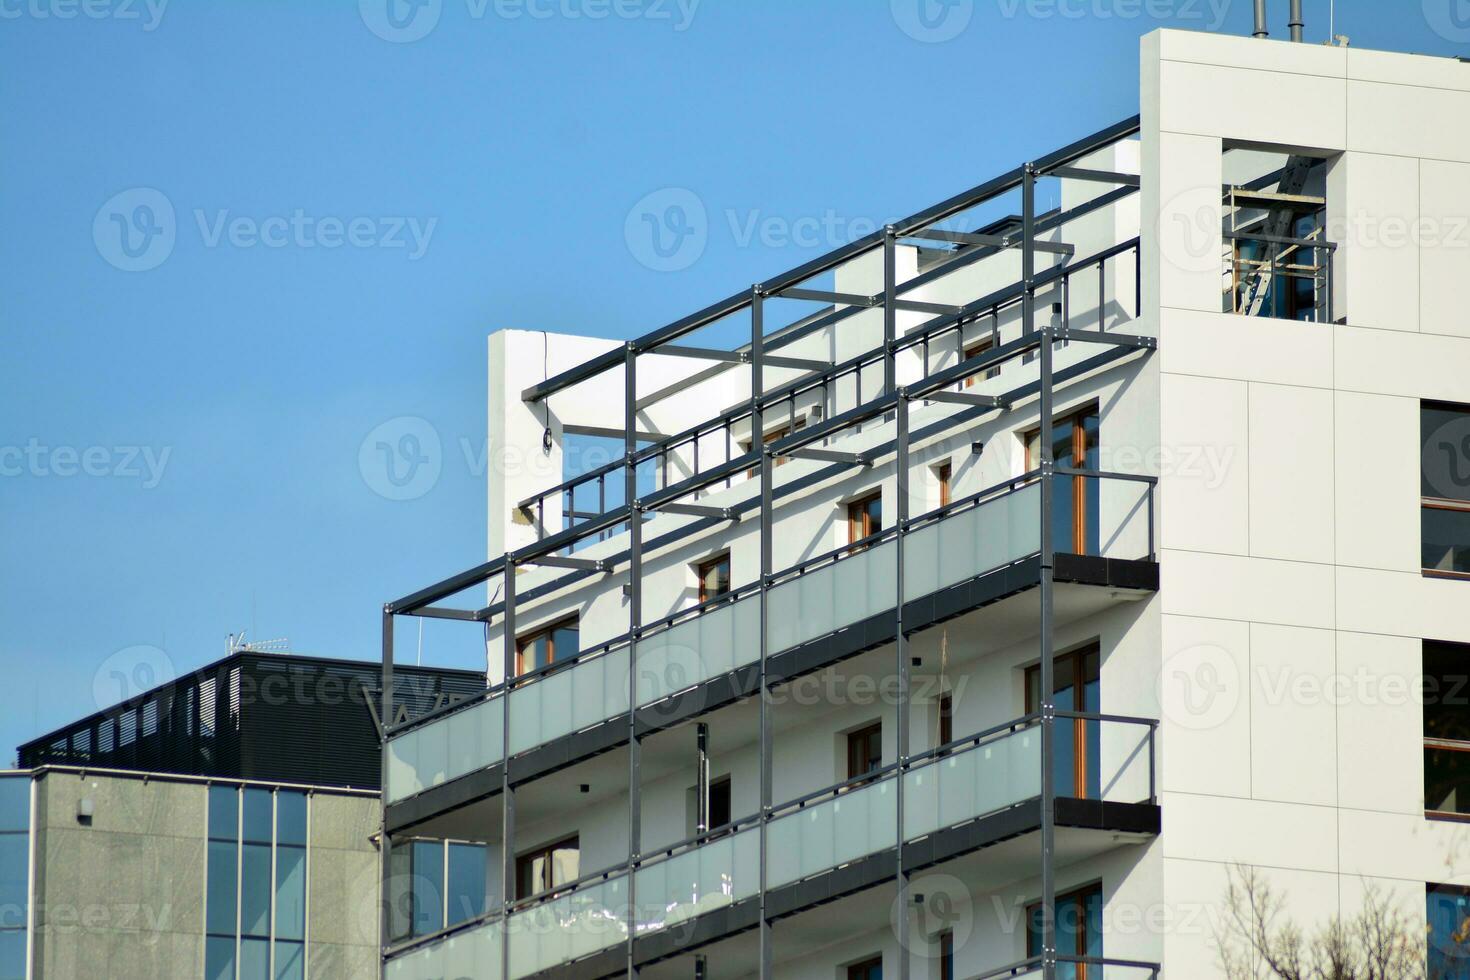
1036, 340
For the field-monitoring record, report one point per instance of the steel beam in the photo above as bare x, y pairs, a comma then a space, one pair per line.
798, 363
965, 398
829, 456
1099, 176
704, 353
561, 561
699, 510
824, 296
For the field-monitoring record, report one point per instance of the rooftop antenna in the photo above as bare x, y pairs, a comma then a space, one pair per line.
238, 644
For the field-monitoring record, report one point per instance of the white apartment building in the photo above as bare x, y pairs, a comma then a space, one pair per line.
872, 680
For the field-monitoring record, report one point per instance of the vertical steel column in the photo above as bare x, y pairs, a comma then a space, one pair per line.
385, 849
890, 310
635, 620
507, 794
900, 646
701, 779
757, 439
1048, 561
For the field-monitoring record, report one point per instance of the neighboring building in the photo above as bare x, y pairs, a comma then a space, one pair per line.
222, 826
1131, 480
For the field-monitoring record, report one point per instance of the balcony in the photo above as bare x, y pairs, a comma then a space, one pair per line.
969, 554
975, 799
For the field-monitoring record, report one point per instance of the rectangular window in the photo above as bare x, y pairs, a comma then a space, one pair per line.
1079, 931
15, 858
1444, 487
714, 577
942, 475
428, 887
1075, 503
545, 646
466, 888
865, 750
547, 868
719, 803
946, 956
865, 517
1447, 931
973, 351
773, 435
866, 970
946, 719
1076, 686
1447, 729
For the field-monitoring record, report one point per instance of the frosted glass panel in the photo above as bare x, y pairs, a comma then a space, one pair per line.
709, 877
972, 783
569, 700
836, 831
569, 927
445, 749
832, 596
977, 540
471, 955
697, 649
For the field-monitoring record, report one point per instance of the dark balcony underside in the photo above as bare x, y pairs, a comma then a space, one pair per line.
869, 634
1092, 816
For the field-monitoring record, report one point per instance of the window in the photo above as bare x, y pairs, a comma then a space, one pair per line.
1444, 486
439, 883
866, 970
973, 351
15, 860
719, 802
546, 868
946, 719
865, 517
714, 577
1076, 499
545, 646
255, 884
1076, 687
1079, 931
1447, 930
1447, 729
865, 750
772, 435
942, 474
946, 955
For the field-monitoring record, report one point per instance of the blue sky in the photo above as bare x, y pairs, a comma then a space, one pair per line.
244, 236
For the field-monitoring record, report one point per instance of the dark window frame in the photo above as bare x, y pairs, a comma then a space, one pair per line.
701, 573
1079, 896
860, 523
1430, 502
860, 743
524, 865
864, 970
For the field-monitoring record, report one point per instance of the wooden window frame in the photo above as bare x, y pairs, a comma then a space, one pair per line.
547, 851
1079, 451
702, 570
860, 971
946, 718
1078, 659
1080, 895
549, 631
774, 433
860, 520
973, 350
944, 474
946, 955
865, 732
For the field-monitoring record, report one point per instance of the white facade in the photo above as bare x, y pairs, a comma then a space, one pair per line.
1280, 653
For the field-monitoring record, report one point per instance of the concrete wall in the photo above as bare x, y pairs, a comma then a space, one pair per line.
124, 896
1293, 604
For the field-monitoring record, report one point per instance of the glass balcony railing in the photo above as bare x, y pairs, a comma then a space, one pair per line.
976, 776
987, 531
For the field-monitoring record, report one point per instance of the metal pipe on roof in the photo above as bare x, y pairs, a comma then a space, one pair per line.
1261, 30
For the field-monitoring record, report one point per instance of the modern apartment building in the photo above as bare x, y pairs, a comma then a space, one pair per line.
221, 826
967, 602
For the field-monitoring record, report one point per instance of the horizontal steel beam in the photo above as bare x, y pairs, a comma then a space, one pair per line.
699, 510
798, 363
1098, 337
561, 561
439, 612
1099, 176
607, 432
830, 456
707, 353
822, 296
919, 306
965, 398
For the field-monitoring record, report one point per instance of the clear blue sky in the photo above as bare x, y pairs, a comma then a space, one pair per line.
180, 445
